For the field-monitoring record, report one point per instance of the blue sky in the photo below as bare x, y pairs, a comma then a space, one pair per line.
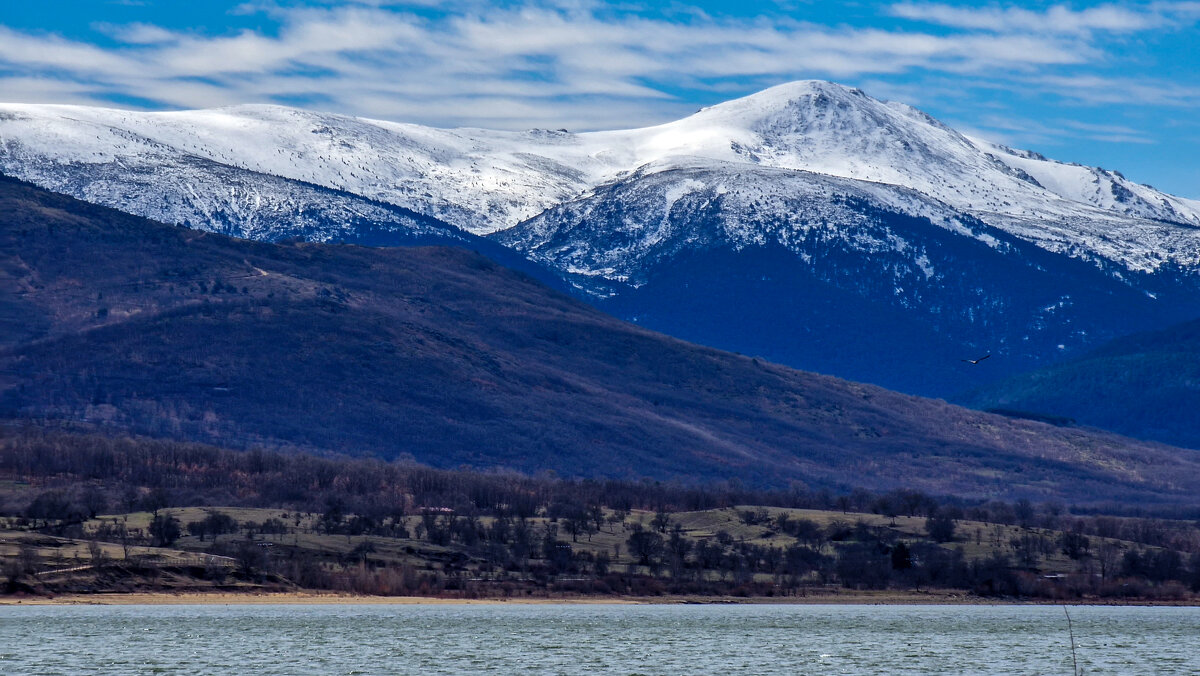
1109, 84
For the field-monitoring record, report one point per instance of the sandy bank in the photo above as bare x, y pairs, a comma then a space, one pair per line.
317, 598
934, 597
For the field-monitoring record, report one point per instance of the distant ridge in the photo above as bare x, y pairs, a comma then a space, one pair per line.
1146, 385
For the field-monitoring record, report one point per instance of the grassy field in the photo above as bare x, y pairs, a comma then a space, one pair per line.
66, 563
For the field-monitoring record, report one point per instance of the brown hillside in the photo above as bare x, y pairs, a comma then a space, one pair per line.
441, 354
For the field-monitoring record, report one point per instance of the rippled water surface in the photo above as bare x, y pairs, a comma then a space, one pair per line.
585, 639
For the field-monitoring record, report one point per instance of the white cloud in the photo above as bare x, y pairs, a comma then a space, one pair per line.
137, 33
1056, 19
549, 63
33, 53
1098, 89
1025, 133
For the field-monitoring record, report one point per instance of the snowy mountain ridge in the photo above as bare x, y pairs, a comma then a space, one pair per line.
489, 181
808, 224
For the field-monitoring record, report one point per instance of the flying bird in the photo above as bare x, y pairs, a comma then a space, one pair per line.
976, 361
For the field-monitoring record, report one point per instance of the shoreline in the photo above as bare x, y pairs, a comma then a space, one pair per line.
332, 598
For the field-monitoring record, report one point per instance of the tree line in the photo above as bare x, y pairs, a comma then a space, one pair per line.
522, 531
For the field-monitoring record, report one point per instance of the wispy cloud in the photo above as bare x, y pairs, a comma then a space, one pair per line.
1056, 19
549, 62
1019, 132
1097, 89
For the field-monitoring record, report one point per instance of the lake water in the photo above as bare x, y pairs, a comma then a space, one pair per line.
587, 639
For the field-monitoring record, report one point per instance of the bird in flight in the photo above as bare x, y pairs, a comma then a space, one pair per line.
976, 361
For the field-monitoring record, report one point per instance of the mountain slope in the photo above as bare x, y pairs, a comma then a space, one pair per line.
442, 355
1146, 385
833, 275
899, 224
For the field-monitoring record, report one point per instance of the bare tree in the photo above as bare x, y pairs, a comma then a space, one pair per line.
96, 552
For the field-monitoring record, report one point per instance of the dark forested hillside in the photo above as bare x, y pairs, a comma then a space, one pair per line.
442, 355
1146, 385
837, 284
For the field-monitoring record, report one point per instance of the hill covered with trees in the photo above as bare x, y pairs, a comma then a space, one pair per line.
1146, 385
89, 514
444, 357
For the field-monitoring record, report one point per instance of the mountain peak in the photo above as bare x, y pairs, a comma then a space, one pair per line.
255, 109
789, 91
825, 127
790, 98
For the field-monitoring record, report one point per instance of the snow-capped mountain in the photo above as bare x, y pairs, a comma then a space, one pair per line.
805, 223
487, 181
